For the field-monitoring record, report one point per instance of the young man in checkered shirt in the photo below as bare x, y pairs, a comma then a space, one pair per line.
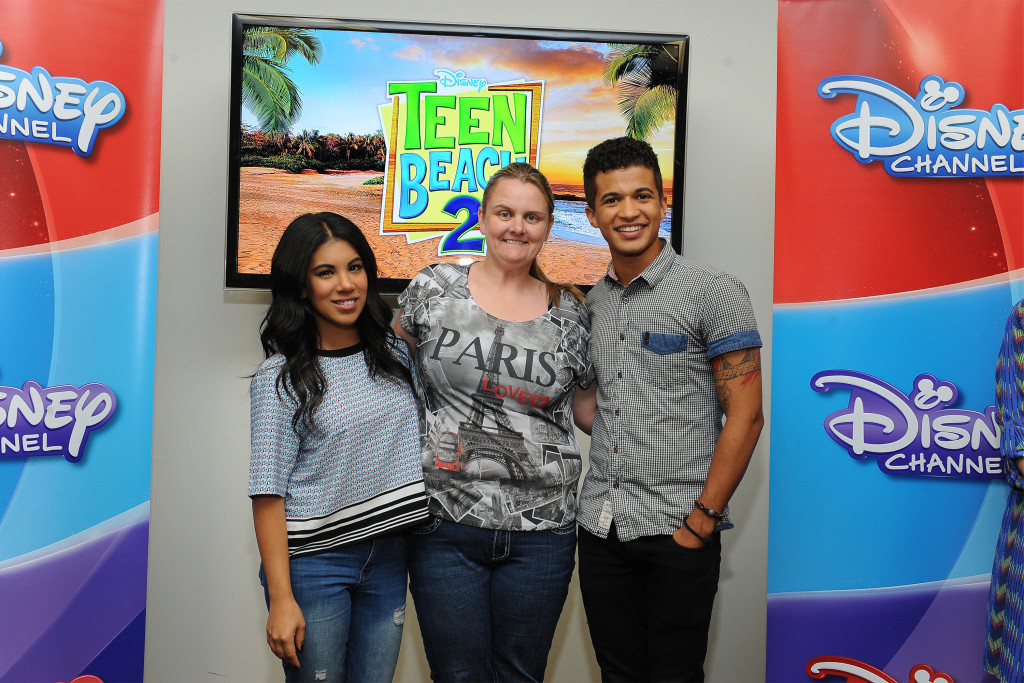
675, 347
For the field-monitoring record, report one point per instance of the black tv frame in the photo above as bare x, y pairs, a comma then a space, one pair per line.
392, 286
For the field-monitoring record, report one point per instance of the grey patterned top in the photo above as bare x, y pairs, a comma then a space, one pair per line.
499, 450
658, 417
356, 475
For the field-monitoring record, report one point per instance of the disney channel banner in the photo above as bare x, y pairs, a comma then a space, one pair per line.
899, 251
80, 91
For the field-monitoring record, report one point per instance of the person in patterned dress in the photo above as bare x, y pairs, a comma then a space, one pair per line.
334, 476
1004, 643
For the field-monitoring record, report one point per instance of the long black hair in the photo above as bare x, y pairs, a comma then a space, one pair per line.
290, 327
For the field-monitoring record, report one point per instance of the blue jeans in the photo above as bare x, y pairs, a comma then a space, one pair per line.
488, 601
353, 601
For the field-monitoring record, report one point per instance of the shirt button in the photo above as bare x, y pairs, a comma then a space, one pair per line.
622, 337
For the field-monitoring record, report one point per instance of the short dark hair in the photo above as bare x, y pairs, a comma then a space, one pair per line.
615, 154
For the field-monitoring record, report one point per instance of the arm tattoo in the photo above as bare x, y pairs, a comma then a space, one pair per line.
747, 369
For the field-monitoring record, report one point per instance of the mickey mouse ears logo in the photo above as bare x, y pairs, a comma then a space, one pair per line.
53, 110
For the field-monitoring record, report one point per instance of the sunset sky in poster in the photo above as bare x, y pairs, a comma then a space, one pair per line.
341, 94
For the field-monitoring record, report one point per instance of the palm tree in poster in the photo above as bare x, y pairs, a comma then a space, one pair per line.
267, 90
648, 90
333, 143
375, 145
308, 141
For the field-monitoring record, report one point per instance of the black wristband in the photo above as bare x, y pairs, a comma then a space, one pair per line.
704, 539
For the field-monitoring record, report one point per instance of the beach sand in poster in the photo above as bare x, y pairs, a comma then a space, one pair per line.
269, 199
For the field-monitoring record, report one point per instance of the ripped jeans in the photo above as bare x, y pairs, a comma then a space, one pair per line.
353, 601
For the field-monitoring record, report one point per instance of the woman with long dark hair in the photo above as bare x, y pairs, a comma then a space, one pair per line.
335, 474
500, 350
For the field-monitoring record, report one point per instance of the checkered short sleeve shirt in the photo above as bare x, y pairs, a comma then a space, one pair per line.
658, 417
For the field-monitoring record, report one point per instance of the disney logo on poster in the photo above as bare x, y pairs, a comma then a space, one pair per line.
917, 435
926, 136
855, 671
38, 421
64, 111
452, 79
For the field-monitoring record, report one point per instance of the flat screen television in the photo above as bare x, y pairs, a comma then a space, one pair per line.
397, 126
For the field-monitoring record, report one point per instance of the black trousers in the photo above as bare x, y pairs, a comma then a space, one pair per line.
648, 603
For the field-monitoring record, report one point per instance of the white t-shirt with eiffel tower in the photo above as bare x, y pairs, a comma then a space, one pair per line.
499, 449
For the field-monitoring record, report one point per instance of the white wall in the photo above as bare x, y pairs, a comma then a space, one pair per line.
205, 609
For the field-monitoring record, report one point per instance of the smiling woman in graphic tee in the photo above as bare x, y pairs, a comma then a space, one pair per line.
500, 350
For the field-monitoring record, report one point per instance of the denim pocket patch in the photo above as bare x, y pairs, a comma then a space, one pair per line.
427, 527
664, 344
